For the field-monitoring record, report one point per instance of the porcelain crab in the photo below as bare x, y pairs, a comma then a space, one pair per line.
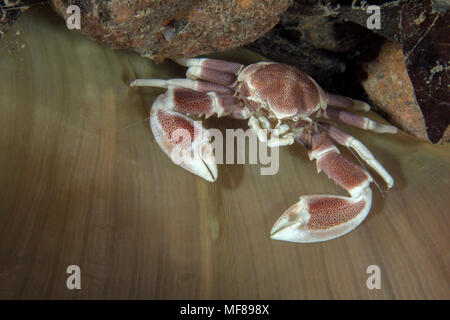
282, 105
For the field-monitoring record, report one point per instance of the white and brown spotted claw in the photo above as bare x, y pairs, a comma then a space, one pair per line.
317, 218
322, 217
185, 141
205, 92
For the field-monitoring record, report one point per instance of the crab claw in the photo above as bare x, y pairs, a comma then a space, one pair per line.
321, 217
184, 140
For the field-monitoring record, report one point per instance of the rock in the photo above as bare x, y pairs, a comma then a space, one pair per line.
311, 26
317, 38
425, 39
319, 64
390, 89
313, 42
167, 29
390, 13
410, 82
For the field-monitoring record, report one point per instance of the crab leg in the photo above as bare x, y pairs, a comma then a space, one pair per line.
212, 70
255, 125
281, 136
264, 122
202, 86
279, 142
213, 64
346, 102
347, 140
358, 121
317, 218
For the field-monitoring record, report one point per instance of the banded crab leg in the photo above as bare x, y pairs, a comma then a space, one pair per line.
316, 218
196, 85
358, 121
203, 74
212, 70
337, 100
347, 140
184, 140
